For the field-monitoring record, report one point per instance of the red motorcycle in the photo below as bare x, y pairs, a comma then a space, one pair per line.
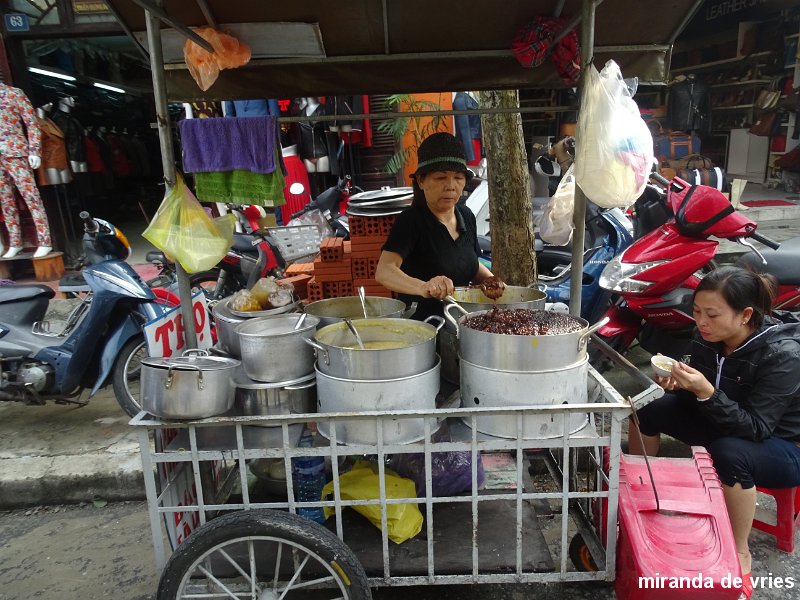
656, 276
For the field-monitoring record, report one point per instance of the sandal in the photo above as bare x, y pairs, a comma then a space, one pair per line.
747, 587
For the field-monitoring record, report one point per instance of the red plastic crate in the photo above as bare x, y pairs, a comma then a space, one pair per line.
689, 540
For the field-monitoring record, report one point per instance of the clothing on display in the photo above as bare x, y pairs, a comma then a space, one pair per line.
468, 127
295, 173
229, 144
55, 167
251, 108
73, 134
689, 105
240, 187
18, 153
312, 133
203, 109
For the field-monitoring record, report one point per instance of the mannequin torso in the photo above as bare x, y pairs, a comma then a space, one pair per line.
54, 169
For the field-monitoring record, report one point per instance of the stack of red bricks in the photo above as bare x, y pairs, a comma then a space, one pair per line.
299, 275
342, 267
367, 236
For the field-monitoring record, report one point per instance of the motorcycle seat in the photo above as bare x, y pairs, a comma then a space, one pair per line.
243, 243
18, 293
782, 263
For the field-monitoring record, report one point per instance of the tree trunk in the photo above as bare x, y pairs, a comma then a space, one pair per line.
510, 207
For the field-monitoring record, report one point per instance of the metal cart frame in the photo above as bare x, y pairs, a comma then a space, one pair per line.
606, 411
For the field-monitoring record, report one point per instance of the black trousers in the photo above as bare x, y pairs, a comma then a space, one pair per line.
773, 462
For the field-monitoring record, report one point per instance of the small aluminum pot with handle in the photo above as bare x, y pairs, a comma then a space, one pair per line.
392, 348
521, 353
273, 348
514, 296
226, 323
192, 386
335, 310
256, 398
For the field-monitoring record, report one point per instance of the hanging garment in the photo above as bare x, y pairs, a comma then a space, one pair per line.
312, 134
252, 108
18, 171
16, 110
54, 150
206, 110
689, 106
212, 145
93, 158
119, 160
468, 127
73, 135
295, 173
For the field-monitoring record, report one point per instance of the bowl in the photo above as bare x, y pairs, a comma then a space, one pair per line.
662, 365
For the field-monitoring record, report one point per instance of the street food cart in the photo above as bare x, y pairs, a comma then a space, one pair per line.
517, 529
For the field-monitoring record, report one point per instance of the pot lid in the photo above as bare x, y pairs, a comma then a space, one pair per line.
386, 192
192, 363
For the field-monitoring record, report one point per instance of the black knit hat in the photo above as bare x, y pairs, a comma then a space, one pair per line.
441, 152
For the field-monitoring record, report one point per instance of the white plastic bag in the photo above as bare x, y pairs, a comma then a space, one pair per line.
555, 222
614, 153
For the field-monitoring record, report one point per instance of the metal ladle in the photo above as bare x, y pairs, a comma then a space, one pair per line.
299, 323
355, 333
363, 297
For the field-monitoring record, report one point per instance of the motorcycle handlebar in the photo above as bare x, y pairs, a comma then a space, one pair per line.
765, 240
659, 179
89, 224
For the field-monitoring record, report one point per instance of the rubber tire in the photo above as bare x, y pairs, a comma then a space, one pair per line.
580, 556
212, 276
265, 522
126, 402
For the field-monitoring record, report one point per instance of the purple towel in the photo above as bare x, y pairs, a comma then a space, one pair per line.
229, 144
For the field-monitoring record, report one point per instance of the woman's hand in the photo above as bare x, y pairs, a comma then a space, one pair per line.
437, 287
690, 380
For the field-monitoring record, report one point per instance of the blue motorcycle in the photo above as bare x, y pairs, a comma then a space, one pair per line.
102, 338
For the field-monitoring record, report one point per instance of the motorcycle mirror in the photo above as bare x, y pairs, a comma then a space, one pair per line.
297, 188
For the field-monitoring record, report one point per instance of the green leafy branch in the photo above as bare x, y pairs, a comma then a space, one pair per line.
420, 126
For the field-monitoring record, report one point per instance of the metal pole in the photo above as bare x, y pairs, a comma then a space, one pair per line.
168, 161
579, 215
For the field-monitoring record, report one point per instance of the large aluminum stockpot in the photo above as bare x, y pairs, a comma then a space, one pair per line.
335, 310
256, 398
521, 353
473, 299
273, 350
492, 388
416, 392
226, 322
192, 386
393, 348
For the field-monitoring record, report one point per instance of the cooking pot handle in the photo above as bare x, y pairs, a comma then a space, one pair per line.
435, 319
200, 383
410, 311
584, 339
194, 352
448, 304
318, 349
292, 388
542, 287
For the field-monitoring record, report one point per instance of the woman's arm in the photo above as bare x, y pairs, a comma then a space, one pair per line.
390, 276
483, 273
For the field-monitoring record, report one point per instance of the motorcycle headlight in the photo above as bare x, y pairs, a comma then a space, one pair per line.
618, 276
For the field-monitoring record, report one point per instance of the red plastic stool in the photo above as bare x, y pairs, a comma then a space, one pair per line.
788, 516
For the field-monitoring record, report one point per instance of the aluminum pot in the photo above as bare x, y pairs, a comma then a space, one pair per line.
255, 398
334, 310
192, 386
273, 350
393, 348
521, 353
226, 323
473, 299
415, 392
491, 388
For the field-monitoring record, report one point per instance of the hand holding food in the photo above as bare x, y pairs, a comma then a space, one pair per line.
438, 287
691, 380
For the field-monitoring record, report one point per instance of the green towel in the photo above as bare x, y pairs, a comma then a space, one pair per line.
241, 187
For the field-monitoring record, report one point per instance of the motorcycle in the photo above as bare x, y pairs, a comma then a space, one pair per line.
101, 340
656, 276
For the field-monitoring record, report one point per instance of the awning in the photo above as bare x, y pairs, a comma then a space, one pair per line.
404, 46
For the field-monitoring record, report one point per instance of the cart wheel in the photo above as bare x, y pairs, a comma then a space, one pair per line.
580, 555
263, 554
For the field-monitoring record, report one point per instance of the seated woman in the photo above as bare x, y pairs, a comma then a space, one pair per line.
739, 396
433, 245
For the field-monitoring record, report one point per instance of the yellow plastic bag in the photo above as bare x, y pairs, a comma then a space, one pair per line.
403, 521
182, 229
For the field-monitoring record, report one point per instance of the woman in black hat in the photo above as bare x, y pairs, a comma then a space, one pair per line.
433, 245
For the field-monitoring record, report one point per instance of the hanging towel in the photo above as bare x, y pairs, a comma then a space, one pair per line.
241, 187
229, 144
